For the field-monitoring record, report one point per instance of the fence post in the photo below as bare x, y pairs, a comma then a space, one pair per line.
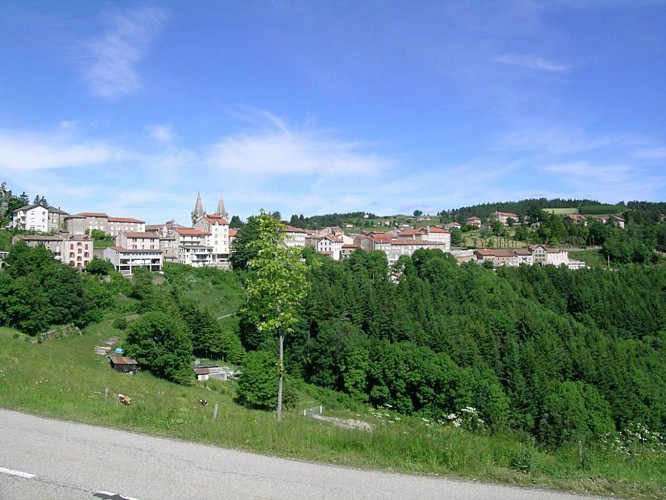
106, 394
215, 412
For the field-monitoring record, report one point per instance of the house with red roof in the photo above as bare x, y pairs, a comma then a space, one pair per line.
85, 222
473, 221
503, 217
193, 247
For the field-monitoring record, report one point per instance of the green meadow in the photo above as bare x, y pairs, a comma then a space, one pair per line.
65, 379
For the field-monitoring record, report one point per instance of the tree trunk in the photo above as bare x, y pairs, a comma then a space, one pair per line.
280, 378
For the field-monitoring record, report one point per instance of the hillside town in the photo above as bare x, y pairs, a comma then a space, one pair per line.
208, 242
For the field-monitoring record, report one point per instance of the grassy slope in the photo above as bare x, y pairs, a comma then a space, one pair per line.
592, 258
64, 379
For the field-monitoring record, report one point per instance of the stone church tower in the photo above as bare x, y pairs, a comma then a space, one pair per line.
198, 213
220, 209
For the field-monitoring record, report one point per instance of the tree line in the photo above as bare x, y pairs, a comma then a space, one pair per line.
557, 353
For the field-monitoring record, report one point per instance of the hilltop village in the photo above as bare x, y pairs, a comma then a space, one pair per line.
208, 242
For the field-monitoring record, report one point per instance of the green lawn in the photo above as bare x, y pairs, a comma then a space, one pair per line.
561, 211
592, 258
65, 379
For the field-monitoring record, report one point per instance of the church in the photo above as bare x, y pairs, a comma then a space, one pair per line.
216, 226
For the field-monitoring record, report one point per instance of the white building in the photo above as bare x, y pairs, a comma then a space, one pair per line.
218, 229
138, 241
126, 260
329, 245
295, 237
31, 218
195, 256
193, 247
536, 254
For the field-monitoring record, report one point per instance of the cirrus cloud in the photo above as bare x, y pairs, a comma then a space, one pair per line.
533, 62
30, 151
283, 151
116, 53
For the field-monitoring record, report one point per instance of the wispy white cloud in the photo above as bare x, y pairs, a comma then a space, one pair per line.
280, 150
652, 153
562, 140
586, 171
31, 151
533, 62
161, 133
117, 52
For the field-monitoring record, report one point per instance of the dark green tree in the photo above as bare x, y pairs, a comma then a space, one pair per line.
100, 267
236, 222
257, 386
161, 344
574, 410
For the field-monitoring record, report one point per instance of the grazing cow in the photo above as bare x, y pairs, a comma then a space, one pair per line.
203, 402
126, 400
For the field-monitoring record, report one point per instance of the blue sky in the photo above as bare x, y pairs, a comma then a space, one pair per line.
316, 107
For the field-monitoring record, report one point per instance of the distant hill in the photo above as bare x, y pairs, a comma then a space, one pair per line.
529, 206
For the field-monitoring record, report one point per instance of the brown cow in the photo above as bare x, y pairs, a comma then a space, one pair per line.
126, 400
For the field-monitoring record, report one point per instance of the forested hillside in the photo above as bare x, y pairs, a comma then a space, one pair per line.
559, 354
531, 208
556, 353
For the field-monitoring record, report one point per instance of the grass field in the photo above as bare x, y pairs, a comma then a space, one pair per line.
64, 379
561, 211
592, 258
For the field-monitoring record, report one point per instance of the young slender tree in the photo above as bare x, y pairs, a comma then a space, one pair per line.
276, 286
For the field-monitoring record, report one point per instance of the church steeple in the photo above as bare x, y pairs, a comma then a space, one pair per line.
220, 208
198, 211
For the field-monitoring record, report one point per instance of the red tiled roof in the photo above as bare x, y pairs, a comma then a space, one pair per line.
292, 229
190, 232
410, 232
490, 252
217, 219
380, 238
436, 229
406, 242
92, 214
125, 219
332, 238
135, 234
34, 237
233, 233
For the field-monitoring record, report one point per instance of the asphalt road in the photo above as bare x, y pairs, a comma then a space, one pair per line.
45, 459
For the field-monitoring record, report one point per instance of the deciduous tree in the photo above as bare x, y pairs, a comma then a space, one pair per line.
276, 286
